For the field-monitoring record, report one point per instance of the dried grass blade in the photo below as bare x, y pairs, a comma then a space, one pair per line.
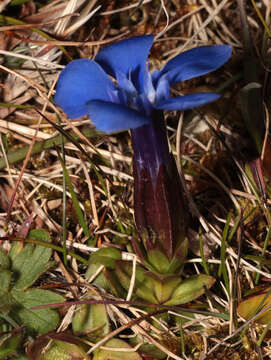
222, 267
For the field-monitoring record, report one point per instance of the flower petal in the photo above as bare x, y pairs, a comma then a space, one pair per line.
110, 117
127, 91
127, 56
196, 62
187, 101
81, 80
162, 89
148, 87
155, 75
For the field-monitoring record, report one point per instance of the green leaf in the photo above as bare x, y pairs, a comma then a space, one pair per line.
148, 286
29, 264
144, 284
179, 257
39, 234
148, 350
91, 319
100, 354
18, 2
36, 234
9, 344
58, 350
159, 261
107, 278
106, 257
4, 260
40, 320
5, 299
20, 356
164, 288
100, 279
190, 289
5, 278
254, 304
113, 283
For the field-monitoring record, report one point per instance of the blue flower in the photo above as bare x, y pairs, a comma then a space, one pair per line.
85, 87
135, 100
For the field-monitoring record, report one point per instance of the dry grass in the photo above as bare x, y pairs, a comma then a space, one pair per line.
31, 57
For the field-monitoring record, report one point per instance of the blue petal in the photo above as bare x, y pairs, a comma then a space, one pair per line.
127, 56
196, 62
162, 89
148, 88
110, 117
127, 91
155, 75
81, 80
187, 101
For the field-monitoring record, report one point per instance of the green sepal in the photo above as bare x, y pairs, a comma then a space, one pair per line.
190, 289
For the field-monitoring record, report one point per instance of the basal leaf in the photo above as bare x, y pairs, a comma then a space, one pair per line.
39, 234
164, 288
106, 257
253, 305
5, 278
40, 320
57, 350
190, 289
29, 263
144, 284
114, 354
159, 261
9, 345
4, 260
92, 320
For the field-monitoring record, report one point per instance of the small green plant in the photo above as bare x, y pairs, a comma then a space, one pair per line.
18, 272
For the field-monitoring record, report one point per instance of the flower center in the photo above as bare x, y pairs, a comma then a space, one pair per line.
130, 96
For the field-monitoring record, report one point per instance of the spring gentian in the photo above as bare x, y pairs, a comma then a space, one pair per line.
135, 100
84, 86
